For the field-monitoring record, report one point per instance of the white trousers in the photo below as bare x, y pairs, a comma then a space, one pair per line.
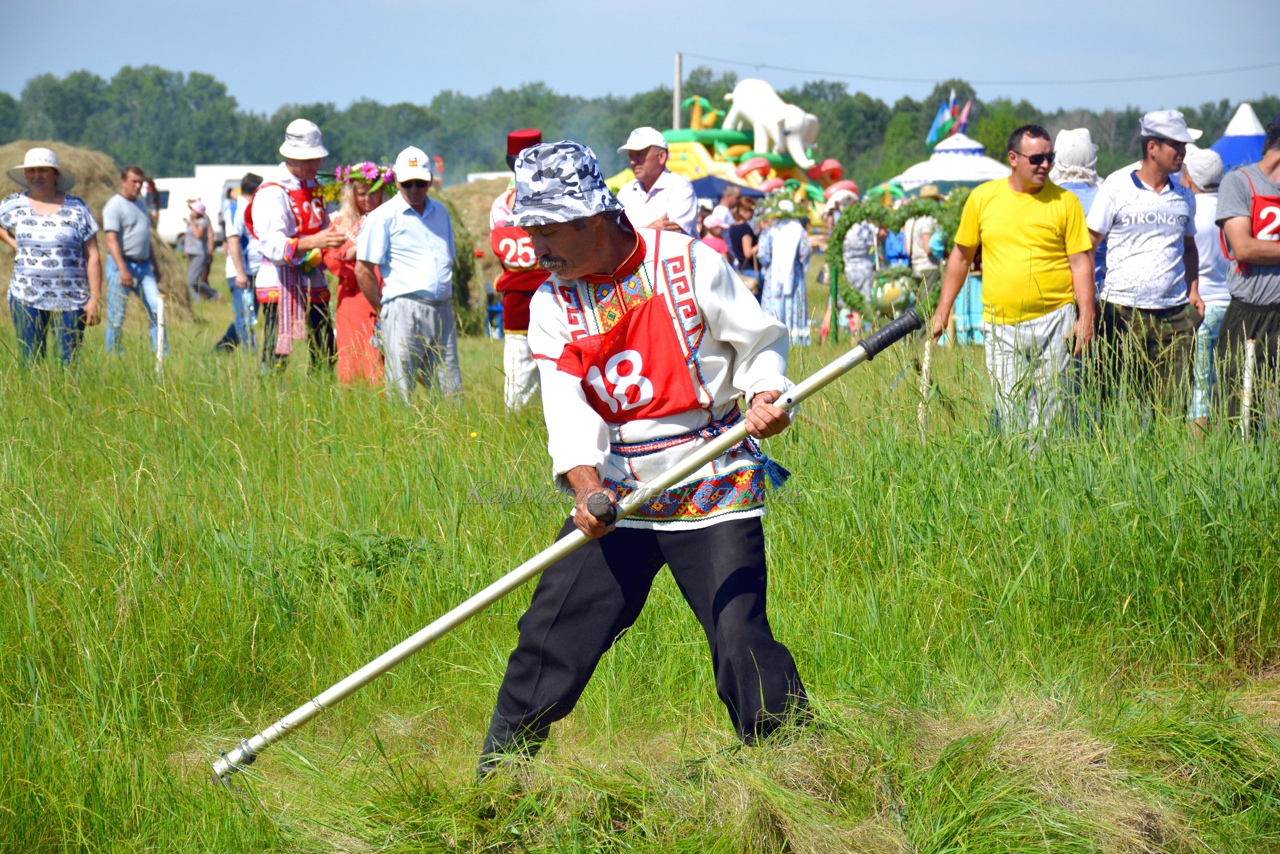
419, 339
1028, 363
521, 372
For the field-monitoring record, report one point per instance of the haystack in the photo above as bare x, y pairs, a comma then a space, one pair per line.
472, 201
97, 179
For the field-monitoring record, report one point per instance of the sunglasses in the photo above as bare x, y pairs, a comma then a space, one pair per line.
414, 185
1037, 159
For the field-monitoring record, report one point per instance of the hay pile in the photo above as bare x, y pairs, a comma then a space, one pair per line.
97, 179
472, 201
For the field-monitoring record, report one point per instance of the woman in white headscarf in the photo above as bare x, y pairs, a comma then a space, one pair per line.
785, 249
1076, 170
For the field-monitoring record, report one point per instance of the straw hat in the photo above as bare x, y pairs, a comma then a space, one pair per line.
41, 157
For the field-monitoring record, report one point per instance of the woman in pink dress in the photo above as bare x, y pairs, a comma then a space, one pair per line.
363, 187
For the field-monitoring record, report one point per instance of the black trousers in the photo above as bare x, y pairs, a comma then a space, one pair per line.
584, 602
1244, 321
324, 351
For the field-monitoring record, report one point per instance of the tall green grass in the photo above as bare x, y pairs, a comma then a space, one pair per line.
1066, 650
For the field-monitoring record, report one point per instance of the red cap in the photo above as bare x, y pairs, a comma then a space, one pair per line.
519, 140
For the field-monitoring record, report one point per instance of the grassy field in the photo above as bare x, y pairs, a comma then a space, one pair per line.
1069, 651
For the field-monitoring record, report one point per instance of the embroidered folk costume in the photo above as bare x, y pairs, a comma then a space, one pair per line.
520, 279
290, 285
640, 367
644, 367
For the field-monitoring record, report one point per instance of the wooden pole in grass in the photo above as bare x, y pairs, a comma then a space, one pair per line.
926, 385
1246, 393
248, 750
160, 341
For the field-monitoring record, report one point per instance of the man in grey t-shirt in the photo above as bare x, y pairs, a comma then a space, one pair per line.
1249, 215
131, 264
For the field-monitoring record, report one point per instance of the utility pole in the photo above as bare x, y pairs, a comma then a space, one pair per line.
676, 94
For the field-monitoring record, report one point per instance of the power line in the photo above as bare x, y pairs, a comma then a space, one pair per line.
885, 79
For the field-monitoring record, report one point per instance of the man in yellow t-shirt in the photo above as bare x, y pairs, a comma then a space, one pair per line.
1037, 280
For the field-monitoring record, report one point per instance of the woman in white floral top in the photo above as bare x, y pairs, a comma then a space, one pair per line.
57, 272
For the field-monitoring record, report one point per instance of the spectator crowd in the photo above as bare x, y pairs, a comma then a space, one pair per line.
1154, 277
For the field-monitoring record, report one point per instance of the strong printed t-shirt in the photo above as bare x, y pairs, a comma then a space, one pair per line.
50, 268
1025, 240
1262, 285
1145, 232
132, 223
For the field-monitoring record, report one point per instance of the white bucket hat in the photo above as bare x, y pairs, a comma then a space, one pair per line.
302, 141
41, 157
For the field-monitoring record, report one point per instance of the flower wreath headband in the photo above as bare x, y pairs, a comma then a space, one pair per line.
377, 177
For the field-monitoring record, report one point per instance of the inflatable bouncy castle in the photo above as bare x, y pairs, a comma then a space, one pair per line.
762, 143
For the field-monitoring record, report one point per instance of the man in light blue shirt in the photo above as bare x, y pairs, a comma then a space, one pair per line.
410, 239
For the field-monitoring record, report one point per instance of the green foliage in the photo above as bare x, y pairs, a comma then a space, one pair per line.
10, 118
997, 120
167, 122
471, 314
947, 214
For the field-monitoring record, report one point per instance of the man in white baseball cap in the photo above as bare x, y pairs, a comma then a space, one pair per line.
289, 220
657, 198
1150, 305
410, 239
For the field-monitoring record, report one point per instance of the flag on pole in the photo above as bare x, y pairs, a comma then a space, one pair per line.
962, 123
935, 129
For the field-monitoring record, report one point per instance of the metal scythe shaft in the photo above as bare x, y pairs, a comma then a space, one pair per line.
248, 750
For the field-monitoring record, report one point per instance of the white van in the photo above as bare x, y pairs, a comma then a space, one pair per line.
209, 184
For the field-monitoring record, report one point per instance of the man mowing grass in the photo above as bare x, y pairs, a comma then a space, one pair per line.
645, 341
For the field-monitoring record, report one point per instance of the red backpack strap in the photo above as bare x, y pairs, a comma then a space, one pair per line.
248, 211
1244, 268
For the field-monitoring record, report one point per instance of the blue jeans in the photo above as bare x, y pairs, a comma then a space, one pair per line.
245, 303
32, 325
1206, 373
147, 289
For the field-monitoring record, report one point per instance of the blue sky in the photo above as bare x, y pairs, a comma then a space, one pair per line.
273, 52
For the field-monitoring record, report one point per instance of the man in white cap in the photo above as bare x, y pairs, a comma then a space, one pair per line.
410, 238
647, 342
1249, 214
1201, 174
657, 198
1150, 302
289, 220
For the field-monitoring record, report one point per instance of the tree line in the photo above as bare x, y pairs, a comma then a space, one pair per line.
168, 121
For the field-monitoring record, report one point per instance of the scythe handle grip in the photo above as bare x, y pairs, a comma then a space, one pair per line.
880, 340
602, 508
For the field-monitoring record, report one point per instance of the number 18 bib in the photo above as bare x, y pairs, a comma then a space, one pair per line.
634, 371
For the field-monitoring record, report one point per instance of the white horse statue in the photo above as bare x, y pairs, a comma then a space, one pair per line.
779, 127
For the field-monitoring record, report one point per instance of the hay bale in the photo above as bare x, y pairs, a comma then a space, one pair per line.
97, 179
472, 201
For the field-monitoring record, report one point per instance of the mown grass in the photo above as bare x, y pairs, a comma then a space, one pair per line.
1071, 650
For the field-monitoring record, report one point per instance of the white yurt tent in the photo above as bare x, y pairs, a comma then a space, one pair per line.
957, 161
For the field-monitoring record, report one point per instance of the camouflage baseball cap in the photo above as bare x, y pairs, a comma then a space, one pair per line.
559, 182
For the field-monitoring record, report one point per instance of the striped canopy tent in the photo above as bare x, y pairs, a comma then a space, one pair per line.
1241, 142
957, 161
